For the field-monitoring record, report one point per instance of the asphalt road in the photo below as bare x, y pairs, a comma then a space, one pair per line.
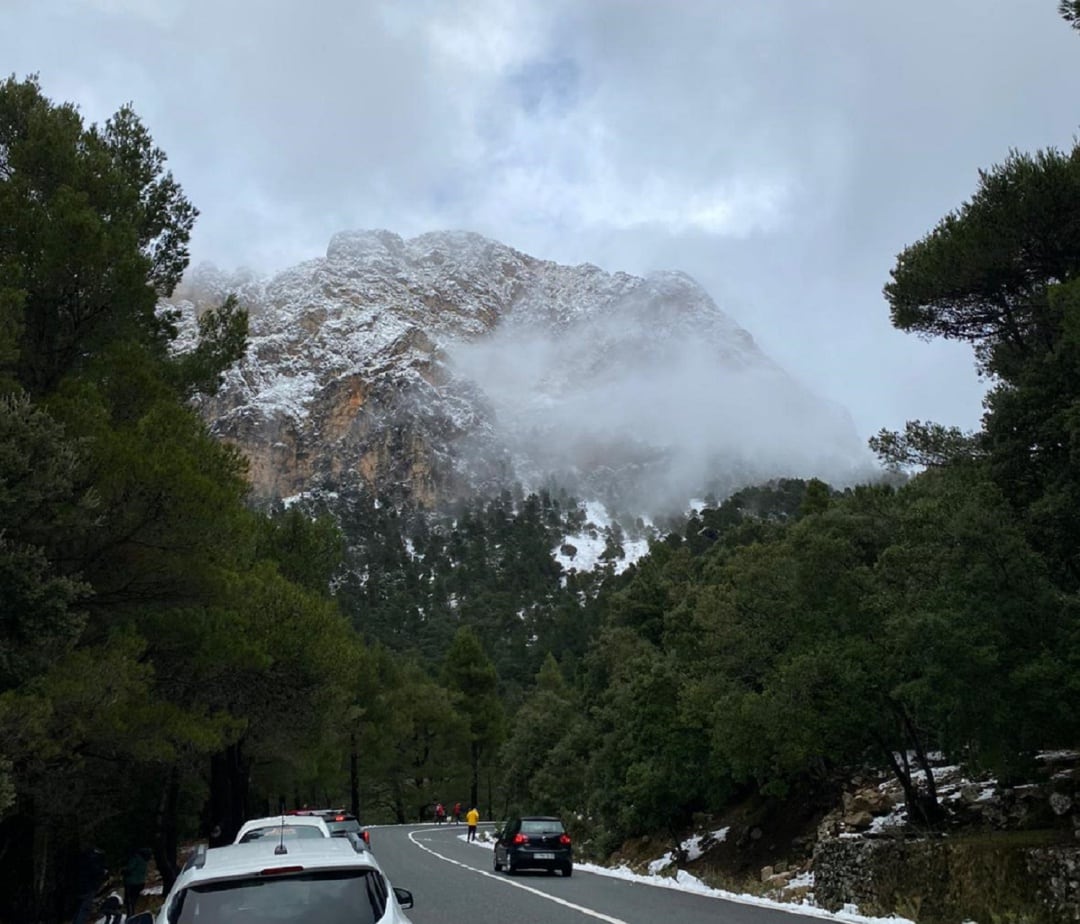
453, 883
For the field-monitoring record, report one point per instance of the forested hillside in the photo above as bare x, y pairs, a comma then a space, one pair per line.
172, 658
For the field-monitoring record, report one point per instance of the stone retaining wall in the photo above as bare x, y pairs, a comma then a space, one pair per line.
1058, 869
946, 881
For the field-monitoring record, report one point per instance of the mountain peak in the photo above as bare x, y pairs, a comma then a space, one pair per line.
361, 245
450, 363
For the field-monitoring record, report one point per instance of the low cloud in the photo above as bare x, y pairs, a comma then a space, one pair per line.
640, 399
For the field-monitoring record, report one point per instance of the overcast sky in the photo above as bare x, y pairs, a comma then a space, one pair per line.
782, 152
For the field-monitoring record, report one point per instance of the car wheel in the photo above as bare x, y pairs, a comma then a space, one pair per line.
568, 869
498, 865
509, 866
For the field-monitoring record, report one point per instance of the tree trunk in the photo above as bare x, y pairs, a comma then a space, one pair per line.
354, 778
165, 841
399, 802
490, 795
45, 869
229, 771
923, 807
474, 786
25, 895
920, 753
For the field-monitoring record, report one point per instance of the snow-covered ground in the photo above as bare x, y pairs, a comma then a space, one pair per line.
591, 541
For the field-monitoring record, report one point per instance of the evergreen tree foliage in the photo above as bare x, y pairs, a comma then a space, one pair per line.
1070, 12
171, 658
544, 758
310, 551
1032, 439
471, 678
41, 504
414, 743
923, 444
983, 274
411, 578
134, 591
95, 231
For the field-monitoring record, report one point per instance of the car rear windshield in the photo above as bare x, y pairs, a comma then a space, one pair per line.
343, 827
286, 831
356, 896
541, 826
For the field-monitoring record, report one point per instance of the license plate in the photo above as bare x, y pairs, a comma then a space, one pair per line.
544, 856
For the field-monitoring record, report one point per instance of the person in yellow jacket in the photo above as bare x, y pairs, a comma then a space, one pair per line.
472, 818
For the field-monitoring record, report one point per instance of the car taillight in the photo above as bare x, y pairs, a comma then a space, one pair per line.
339, 818
366, 835
280, 870
564, 839
521, 839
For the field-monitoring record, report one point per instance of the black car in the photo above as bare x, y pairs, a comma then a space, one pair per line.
534, 842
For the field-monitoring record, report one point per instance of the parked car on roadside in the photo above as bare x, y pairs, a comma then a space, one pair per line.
340, 822
282, 826
268, 881
534, 842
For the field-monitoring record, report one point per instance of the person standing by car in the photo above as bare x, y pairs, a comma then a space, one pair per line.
135, 878
472, 819
91, 876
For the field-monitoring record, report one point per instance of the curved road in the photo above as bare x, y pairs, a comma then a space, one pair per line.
453, 883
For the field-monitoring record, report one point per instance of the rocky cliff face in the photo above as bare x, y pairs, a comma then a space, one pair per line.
447, 364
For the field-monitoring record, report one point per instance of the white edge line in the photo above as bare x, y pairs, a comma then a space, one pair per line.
517, 885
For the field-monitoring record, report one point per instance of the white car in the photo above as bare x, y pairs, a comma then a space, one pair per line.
310, 880
282, 826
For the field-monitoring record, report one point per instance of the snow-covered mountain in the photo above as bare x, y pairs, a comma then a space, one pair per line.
449, 364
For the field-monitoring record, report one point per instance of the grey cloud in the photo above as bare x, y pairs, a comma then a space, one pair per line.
834, 132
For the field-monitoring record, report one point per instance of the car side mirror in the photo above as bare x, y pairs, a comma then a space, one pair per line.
144, 917
403, 896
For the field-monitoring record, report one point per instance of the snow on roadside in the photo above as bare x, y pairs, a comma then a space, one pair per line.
685, 882
692, 849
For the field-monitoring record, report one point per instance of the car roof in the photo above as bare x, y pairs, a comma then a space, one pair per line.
306, 818
540, 818
237, 860
317, 811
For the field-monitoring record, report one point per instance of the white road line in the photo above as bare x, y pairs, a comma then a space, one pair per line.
517, 885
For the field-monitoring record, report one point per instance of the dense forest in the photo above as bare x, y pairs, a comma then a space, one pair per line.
172, 657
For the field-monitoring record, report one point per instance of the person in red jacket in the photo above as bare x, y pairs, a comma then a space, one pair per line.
457, 813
